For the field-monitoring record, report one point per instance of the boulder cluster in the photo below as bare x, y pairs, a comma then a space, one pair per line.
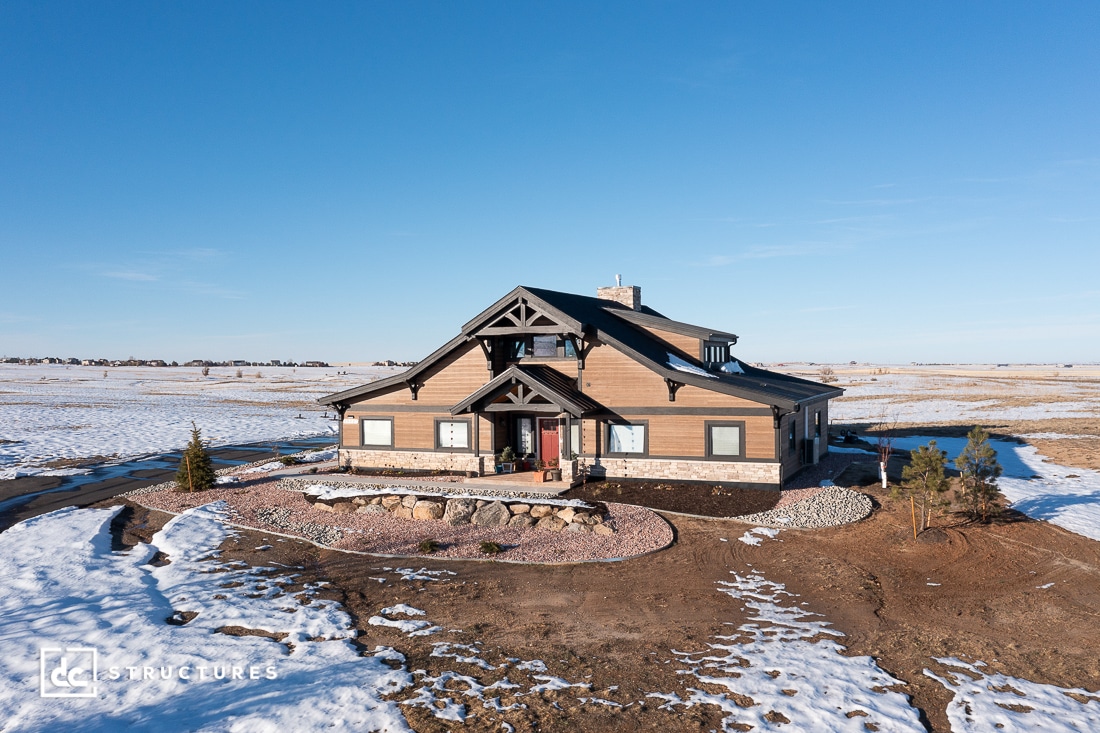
481, 512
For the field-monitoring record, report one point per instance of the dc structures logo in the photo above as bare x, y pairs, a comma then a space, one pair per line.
68, 672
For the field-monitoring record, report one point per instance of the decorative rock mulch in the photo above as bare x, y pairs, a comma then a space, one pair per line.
825, 507
634, 530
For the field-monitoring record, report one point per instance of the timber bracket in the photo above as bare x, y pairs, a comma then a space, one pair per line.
673, 385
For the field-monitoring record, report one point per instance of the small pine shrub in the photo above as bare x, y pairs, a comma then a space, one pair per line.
196, 471
980, 471
427, 547
489, 548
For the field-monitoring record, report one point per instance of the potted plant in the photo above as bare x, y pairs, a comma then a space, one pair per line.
508, 460
555, 470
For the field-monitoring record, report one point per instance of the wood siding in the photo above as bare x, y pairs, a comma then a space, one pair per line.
687, 344
614, 379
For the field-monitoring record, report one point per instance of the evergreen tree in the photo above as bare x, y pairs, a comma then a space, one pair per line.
980, 469
196, 472
925, 482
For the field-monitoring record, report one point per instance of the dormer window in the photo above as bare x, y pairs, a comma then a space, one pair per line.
715, 352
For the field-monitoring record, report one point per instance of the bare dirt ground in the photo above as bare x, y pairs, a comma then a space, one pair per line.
614, 624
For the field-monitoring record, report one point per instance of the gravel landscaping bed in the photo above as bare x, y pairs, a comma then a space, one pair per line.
824, 507
267, 506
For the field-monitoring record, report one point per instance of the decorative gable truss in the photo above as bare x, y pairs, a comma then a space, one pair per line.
519, 314
530, 389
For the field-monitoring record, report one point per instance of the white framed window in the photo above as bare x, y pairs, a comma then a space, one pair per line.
525, 429
626, 439
452, 434
377, 432
575, 444
725, 439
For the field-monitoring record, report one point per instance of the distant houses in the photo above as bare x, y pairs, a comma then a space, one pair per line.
159, 362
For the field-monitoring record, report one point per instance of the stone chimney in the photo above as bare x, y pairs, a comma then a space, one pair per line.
628, 295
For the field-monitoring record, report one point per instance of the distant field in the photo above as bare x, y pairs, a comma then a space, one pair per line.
53, 416
1053, 408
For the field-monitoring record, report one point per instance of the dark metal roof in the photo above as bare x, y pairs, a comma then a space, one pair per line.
549, 383
611, 323
650, 320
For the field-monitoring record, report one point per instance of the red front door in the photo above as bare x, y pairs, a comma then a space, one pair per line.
548, 440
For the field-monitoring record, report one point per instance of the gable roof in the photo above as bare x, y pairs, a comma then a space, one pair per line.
548, 383
623, 328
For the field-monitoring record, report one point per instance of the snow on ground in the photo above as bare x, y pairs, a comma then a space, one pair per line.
62, 587
1067, 497
50, 412
997, 702
754, 536
928, 397
329, 491
786, 661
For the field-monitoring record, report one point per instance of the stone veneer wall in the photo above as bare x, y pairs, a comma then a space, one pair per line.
415, 460
680, 470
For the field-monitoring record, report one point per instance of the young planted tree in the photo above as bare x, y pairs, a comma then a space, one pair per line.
196, 472
980, 470
925, 483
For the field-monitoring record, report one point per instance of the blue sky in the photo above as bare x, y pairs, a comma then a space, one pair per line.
831, 181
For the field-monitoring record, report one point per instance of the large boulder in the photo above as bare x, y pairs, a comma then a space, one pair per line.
459, 511
519, 508
391, 502
603, 530
566, 514
541, 510
402, 512
495, 514
521, 521
552, 523
344, 507
574, 527
322, 507
428, 510
371, 509
409, 501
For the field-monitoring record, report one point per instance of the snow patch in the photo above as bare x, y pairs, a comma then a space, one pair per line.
985, 701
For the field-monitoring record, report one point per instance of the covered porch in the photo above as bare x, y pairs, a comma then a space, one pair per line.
535, 411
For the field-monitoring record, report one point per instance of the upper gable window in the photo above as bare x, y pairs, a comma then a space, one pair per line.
517, 349
716, 352
540, 347
545, 346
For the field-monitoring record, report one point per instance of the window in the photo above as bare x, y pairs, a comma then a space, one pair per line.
452, 434
725, 439
790, 432
716, 352
575, 444
378, 432
525, 430
545, 346
626, 439
817, 423
540, 347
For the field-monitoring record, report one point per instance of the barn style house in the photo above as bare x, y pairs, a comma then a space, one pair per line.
601, 384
